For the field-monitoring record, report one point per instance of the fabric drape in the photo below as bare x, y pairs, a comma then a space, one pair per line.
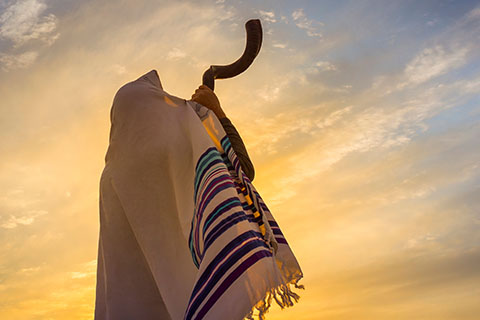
184, 234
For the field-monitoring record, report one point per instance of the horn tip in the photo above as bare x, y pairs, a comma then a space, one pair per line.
253, 21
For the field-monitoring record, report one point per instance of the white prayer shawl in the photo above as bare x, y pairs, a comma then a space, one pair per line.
183, 232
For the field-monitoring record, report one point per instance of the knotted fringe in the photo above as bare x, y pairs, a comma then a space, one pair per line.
283, 296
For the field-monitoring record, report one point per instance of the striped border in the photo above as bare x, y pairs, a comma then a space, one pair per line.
215, 172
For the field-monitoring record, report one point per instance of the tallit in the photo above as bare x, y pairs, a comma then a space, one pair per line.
183, 232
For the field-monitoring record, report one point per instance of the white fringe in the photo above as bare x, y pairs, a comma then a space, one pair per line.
283, 296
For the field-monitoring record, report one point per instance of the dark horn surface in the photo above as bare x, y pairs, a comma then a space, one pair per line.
253, 45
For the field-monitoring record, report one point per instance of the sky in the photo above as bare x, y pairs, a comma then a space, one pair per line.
362, 119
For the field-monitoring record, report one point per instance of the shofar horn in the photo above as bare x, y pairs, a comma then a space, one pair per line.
254, 42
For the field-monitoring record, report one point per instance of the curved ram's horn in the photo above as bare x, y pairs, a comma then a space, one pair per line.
254, 42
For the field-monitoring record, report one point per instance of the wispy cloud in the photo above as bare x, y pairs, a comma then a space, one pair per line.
385, 174
279, 45
372, 128
303, 22
325, 66
431, 63
268, 16
18, 61
88, 270
176, 54
25, 219
24, 20
332, 118
474, 14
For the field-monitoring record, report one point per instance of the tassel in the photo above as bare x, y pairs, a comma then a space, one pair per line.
249, 315
301, 286
283, 296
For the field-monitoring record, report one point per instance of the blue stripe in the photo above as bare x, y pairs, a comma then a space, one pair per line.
212, 169
247, 206
210, 160
202, 156
210, 173
213, 155
221, 208
226, 143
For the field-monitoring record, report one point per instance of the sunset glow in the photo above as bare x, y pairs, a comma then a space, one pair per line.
362, 119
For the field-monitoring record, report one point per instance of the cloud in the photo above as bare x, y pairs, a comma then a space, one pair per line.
176, 54
21, 22
30, 270
118, 69
269, 92
419, 241
433, 62
26, 219
432, 22
473, 14
19, 61
325, 66
303, 22
297, 14
268, 16
357, 162
360, 129
279, 45
88, 270
24, 20
332, 118
44, 292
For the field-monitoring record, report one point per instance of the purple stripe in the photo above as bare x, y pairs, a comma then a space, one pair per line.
214, 186
211, 185
272, 223
276, 230
218, 184
209, 176
199, 177
235, 163
223, 226
231, 279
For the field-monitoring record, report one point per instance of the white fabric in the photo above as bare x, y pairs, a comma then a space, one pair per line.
145, 267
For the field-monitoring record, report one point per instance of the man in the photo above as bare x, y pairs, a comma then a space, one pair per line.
182, 235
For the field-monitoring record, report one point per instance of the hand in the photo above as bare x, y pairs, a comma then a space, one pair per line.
205, 96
